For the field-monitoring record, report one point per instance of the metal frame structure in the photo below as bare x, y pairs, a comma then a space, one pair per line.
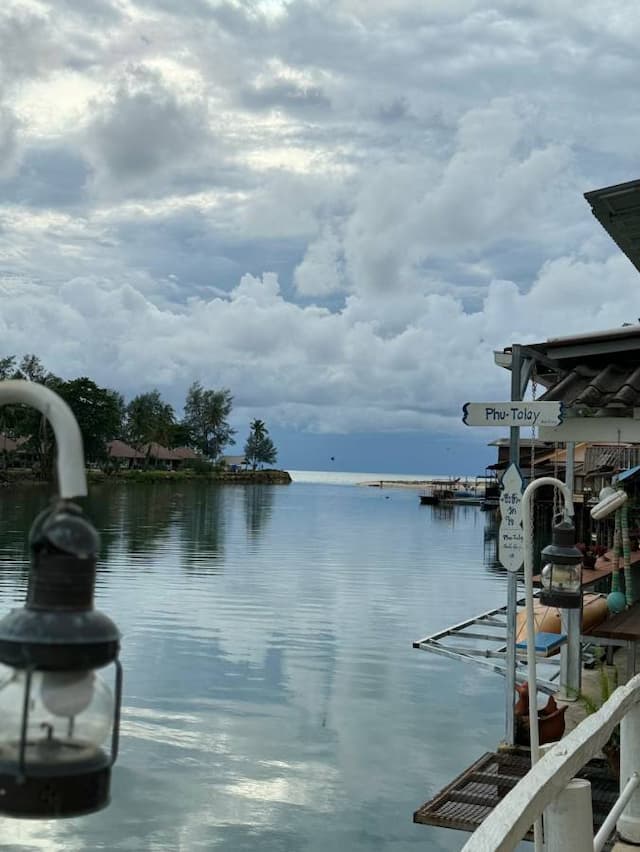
490, 650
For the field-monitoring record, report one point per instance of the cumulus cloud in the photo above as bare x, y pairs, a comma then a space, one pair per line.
311, 367
321, 271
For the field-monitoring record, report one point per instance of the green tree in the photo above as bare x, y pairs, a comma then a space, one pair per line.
32, 369
180, 435
99, 412
206, 415
26, 422
7, 367
259, 448
149, 419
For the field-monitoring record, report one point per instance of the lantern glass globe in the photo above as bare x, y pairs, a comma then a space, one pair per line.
69, 709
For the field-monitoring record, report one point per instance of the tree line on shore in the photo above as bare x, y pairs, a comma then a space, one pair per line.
103, 416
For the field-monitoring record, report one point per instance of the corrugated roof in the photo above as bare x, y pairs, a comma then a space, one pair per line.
617, 208
629, 474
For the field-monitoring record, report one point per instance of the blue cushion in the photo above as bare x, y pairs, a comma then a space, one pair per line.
546, 642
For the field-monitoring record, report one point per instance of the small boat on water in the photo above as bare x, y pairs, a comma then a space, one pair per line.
428, 500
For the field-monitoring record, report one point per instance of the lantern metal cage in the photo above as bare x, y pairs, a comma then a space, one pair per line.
562, 572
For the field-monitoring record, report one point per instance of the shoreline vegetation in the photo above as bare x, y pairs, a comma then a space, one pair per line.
20, 476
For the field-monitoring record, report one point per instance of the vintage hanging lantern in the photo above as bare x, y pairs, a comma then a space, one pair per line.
562, 571
56, 712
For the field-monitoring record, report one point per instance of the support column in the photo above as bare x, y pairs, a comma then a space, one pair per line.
571, 619
512, 577
629, 822
568, 820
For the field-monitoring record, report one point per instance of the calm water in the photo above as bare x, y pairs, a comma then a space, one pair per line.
273, 700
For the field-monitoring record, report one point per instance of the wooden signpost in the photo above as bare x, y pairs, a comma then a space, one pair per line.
510, 537
512, 415
532, 414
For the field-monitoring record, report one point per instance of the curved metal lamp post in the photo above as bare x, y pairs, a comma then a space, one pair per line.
527, 530
55, 711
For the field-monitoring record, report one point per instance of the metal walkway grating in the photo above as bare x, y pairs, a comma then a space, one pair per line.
467, 801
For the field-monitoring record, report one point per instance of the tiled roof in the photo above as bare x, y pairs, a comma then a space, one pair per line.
614, 387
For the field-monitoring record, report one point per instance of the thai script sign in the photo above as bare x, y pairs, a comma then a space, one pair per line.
512, 413
510, 536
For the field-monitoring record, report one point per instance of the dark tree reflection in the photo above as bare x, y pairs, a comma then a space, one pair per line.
258, 505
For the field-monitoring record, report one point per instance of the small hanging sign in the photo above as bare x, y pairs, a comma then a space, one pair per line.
510, 535
512, 413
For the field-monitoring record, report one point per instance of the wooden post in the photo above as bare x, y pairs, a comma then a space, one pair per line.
512, 577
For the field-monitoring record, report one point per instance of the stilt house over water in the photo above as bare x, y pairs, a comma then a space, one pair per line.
597, 378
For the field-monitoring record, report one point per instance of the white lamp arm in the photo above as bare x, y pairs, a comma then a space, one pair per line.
72, 479
527, 533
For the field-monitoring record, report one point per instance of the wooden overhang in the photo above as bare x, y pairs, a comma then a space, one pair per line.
617, 208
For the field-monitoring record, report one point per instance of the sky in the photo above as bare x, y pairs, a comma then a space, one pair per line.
338, 209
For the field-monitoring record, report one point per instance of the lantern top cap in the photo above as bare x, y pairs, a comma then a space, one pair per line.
61, 528
563, 545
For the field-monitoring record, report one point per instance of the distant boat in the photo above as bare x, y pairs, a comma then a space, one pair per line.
448, 491
428, 499
440, 491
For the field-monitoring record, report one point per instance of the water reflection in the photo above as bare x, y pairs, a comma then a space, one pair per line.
258, 505
202, 526
272, 698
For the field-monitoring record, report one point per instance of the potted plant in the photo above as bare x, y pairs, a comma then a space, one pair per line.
607, 684
590, 552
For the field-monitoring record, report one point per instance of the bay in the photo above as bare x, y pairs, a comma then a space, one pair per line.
272, 698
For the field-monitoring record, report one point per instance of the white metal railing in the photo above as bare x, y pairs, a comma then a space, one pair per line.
551, 790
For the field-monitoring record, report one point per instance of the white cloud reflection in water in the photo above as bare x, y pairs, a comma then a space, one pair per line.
272, 699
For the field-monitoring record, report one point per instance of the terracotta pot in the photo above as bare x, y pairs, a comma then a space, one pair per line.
550, 719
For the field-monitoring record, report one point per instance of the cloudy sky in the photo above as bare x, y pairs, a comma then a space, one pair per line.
336, 208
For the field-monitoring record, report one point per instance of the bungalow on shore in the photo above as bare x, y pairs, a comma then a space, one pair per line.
154, 454
234, 463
